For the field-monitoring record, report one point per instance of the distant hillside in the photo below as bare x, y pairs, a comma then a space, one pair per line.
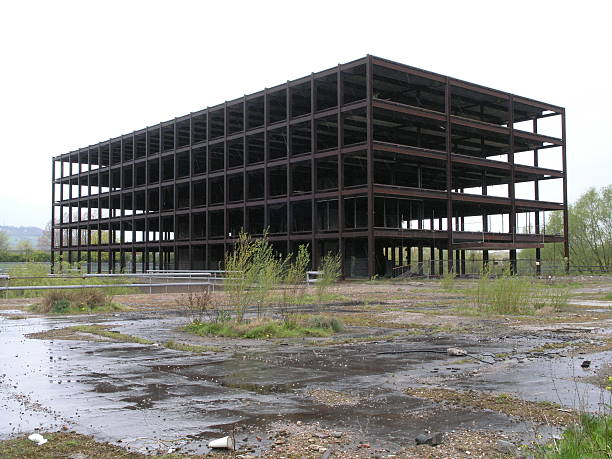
21, 233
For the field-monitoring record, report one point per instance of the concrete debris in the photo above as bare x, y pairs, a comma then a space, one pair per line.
456, 352
506, 447
433, 439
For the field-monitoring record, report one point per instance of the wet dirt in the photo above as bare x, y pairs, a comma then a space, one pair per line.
144, 396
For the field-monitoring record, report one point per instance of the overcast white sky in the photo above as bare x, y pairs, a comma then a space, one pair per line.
74, 73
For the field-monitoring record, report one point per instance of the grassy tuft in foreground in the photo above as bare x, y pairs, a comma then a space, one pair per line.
62, 445
194, 348
511, 294
591, 438
75, 302
297, 326
100, 330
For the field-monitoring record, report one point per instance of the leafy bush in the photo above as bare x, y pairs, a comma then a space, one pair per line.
60, 306
254, 270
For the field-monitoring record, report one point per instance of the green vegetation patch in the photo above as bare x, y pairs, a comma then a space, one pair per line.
62, 445
75, 302
194, 348
590, 438
102, 330
293, 327
542, 412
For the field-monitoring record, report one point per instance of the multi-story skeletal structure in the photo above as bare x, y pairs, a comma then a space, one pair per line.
381, 161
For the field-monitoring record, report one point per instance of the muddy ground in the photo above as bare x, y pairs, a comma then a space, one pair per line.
366, 392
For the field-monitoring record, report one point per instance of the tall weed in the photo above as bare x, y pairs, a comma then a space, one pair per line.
511, 294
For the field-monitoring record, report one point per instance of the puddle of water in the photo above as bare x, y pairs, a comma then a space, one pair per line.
117, 391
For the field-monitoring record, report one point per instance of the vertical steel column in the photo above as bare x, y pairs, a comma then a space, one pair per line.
70, 196
313, 170
99, 211
432, 260
79, 195
61, 214
190, 185
52, 216
89, 163
111, 233
339, 96
245, 183
370, 167
175, 194
147, 213
449, 175
536, 196
512, 216
206, 187
566, 246
121, 209
225, 181
133, 217
420, 256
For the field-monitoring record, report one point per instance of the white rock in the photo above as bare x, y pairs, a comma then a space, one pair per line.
38, 439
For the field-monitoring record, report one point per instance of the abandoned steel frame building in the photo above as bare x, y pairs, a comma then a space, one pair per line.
373, 158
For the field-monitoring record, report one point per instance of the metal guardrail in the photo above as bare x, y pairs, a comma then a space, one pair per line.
186, 279
86, 286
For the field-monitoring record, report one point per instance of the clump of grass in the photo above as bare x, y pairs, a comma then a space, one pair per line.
331, 269
75, 302
511, 294
101, 330
62, 444
543, 412
448, 282
297, 326
590, 438
195, 348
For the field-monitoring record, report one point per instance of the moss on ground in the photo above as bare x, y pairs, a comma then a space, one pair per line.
542, 412
295, 327
193, 348
103, 330
62, 445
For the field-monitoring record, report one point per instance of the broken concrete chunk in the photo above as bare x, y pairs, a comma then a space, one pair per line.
433, 439
506, 447
456, 352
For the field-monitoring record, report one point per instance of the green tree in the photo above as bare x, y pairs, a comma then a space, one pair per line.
44, 240
590, 230
26, 250
4, 244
